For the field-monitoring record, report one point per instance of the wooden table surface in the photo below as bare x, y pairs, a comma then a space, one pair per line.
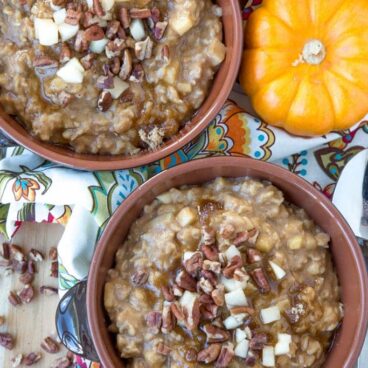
31, 323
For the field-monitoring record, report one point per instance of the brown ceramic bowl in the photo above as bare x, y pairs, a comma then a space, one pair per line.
222, 85
347, 255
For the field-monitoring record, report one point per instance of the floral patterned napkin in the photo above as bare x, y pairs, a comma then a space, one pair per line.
32, 189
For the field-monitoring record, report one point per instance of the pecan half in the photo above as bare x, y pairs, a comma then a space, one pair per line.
63, 362
235, 263
162, 349
259, 277
53, 254
185, 281
210, 252
94, 33
35, 255
87, 61
159, 30
73, 17
54, 269
6, 341
16, 253
218, 295
194, 264
215, 334
26, 278
6, 251
139, 277
112, 29
127, 66
97, 8
258, 341
226, 356
167, 293
154, 320
32, 358
143, 13
210, 354
14, 299
50, 345
253, 255
168, 319
48, 290
26, 295
124, 17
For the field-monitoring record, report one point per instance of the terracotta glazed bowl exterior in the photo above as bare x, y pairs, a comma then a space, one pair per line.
222, 85
347, 255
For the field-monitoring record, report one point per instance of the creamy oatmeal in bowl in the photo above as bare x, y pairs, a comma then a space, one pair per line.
226, 274
108, 76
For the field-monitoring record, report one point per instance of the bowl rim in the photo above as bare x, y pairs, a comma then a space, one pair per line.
302, 184
86, 161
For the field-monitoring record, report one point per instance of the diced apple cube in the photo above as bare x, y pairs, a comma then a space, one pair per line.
46, 31
67, 31
98, 46
278, 271
181, 23
231, 284
232, 252
248, 332
107, 4
271, 314
119, 87
188, 255
71, 72
236, 298
59, 16
283, 344
216, 52
295, 242
233, 322
241, 349
186, 216
137, 30
240, 335
90, 3
268, 356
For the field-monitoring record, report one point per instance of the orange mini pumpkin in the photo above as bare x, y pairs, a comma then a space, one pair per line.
305, 64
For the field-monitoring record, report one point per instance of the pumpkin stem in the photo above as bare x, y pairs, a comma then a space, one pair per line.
314, 52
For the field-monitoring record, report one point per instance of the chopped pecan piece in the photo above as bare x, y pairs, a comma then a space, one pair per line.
137, 75
105, 82
54, 269
127, 96
210, 276
218, 295
194, 264
210, 354
97, 8
20, 267
215, 334
143, 13
241, 237
112, 29
124, 17
159, 30
191, 355
94, 33
241, 310
154, 320
63, 362
191, 311
88, 19
212, 266
227, 231
253, 235
294, 313
250, 360
26, 278
167, 293
139, 277
226, 356
185, 281
258, 341
143, 49
259, 277
48, 290
205, 285
177, 311
114, 48
53, 254
127, 66
235, 263
80, 43
32, 358
210, 252
104, 101
205, 299
50, 345
208, 234
115, 65
73, 17
209, 311
14, 299
26, 294
168, 319
31, 267
87, 61
165, 53
155, 14
16, 253
44, 62
253, 255
35, 255
6, 341
162, 349
240, 275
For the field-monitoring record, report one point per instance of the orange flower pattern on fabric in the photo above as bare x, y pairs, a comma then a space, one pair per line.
26, 188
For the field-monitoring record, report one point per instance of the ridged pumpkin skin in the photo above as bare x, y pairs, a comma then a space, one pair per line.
305, 89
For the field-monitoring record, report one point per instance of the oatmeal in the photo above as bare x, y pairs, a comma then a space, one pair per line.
107, 76
227, 274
